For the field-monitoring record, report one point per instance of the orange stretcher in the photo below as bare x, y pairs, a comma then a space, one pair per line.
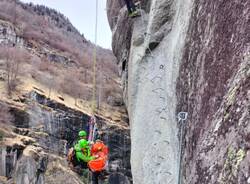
100, 151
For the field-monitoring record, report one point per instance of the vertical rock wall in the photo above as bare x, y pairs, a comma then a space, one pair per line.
8, 35
186, 56
154, 56
214, 86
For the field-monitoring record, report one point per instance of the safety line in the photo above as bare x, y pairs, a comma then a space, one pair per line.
94, 62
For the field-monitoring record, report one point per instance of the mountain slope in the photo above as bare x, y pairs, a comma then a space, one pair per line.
56, 53
46, 84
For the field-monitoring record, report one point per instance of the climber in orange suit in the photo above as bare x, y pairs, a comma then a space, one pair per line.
100, 151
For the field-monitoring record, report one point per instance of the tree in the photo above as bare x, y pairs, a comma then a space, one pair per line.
71, 86
48, 80
13, 57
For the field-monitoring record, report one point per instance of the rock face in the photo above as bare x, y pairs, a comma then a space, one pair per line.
151, 88
45, 129
214, 88
186, 56
34, 165
8, 35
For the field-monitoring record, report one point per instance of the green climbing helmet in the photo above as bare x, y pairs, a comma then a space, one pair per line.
83, 143
82, 133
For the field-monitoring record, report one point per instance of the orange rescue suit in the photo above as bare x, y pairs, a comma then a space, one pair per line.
100, 151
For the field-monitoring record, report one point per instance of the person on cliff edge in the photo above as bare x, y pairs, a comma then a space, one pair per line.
88, 153
83, 155
132, 12
79, 155
82, 148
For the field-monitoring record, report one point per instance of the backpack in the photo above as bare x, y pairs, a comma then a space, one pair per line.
74, 164
71, 155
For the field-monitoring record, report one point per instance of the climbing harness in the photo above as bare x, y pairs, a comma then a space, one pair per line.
182, 117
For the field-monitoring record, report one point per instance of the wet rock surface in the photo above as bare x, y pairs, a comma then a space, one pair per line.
45, 130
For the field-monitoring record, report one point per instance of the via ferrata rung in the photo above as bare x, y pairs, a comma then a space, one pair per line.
182, 116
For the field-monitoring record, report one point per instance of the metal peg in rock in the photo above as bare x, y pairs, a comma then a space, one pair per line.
182, 116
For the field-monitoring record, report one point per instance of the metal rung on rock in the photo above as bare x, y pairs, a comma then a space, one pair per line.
182, 116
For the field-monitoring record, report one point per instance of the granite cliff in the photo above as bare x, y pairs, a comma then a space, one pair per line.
190, 56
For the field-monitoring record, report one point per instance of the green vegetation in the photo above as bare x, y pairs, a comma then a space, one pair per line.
231, 95
231, 166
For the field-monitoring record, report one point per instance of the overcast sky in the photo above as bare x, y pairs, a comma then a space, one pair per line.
81, 13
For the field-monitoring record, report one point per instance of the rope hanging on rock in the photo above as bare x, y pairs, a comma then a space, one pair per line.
92, 121
94, 63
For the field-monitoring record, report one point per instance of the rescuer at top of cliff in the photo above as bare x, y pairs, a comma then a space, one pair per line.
132, 12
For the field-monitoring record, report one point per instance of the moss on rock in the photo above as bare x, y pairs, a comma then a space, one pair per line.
232, 163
